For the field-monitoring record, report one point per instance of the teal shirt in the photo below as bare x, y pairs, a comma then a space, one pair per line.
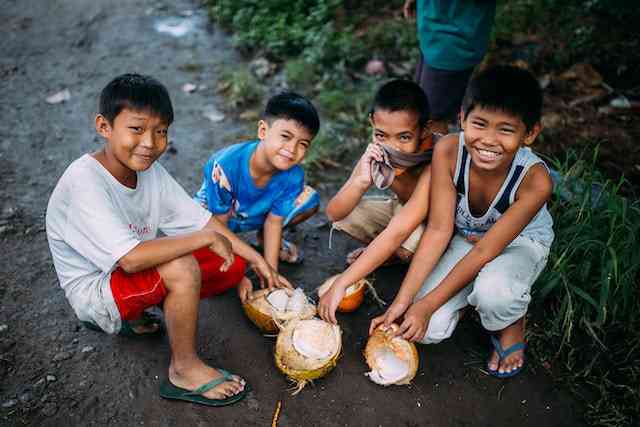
454, 34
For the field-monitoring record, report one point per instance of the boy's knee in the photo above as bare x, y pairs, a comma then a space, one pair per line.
183, 270
499, 299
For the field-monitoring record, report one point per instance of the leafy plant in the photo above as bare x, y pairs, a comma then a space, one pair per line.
590, 289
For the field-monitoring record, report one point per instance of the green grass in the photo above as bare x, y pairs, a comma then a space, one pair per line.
589, 292
241, 88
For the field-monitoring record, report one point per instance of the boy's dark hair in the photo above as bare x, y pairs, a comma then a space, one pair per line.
135, 92
506, 88
402, 95
292, 106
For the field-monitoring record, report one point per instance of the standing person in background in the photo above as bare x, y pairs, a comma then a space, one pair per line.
453, 35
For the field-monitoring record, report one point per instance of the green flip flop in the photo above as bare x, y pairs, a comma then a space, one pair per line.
170, 391
126, 326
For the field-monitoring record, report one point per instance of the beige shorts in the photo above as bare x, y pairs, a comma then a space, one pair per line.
371, 216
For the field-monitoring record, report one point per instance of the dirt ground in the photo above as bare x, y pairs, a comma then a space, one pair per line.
54, 373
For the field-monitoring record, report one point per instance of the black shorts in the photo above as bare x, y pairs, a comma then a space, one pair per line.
444, 88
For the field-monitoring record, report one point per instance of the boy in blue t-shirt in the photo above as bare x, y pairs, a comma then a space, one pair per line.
259, 185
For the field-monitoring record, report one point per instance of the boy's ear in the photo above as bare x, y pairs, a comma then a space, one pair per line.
533, 134
103, 127
262, 129
371, 122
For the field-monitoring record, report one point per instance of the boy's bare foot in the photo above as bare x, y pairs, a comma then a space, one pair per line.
290, 253
509, 336
193, 377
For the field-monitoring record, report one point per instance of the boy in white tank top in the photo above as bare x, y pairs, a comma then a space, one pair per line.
489, 232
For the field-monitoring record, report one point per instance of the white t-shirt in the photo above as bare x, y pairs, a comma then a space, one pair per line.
93, 221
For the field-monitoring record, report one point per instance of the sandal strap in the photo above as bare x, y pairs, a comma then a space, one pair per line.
502, 353
226, 376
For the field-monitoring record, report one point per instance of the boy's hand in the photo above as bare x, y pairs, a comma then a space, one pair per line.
221, 246
329, 302
415, 324
269, 278
363, 169
245, 288
394, 312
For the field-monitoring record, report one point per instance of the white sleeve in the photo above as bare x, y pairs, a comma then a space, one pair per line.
179, 213
95, 228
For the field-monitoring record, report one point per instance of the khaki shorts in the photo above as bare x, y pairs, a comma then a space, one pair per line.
371, 216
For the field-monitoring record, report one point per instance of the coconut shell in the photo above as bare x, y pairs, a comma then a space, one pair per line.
297, 367
262, 313
353, 297
382, 339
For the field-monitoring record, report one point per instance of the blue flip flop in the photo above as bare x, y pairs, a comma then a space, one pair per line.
170, 391
502, 353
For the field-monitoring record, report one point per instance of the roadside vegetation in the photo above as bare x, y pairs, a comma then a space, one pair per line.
585, 320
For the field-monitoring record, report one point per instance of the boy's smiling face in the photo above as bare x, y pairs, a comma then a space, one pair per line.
398, 129
285, 142
134, 141
493, 137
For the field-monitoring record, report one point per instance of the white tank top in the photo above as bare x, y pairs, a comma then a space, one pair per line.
539, 229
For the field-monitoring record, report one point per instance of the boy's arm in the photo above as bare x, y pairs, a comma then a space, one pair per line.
258, 263
382, 247
151, 253
272, 239
434, 241
535, 190
358, 183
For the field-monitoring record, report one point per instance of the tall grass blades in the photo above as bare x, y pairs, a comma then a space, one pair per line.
590, 290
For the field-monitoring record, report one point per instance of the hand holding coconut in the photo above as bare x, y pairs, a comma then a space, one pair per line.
416, 321
269, 278
330, 300
395, 311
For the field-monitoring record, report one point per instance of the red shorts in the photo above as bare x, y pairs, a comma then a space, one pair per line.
137, 291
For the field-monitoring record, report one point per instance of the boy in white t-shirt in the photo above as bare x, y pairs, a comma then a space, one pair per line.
103, 220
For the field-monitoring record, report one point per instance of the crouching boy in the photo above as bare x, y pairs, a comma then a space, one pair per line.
489, 230
103, 220
398, 158
259, 185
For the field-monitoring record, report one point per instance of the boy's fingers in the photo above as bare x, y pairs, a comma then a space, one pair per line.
375, 323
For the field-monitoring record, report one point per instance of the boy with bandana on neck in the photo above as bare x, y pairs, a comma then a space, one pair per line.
398, 158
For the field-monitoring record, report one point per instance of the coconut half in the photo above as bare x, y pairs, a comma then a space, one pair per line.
353, 296
268, 308
392, 360
307, 349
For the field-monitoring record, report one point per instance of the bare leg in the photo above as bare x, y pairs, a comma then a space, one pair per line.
509, 336
182, 280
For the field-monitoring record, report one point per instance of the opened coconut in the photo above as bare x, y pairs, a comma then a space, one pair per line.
353, 296
307, 349
268, 308
393, 360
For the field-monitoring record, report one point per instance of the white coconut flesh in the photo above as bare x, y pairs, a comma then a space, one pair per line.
314, 339
297, 301
278, 299
392, 359
282, 302
389, 368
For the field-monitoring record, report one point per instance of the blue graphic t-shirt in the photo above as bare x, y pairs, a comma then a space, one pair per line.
229, 187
